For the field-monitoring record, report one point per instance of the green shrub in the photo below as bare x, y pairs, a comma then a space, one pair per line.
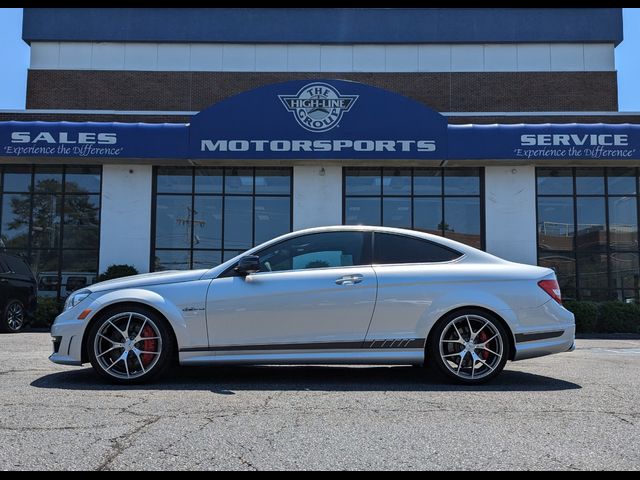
46, 312
618, 317
586, 314
117, 271
605, 317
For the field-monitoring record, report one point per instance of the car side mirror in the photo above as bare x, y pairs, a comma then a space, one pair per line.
248, 265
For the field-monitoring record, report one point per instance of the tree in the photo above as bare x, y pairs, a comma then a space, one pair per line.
44, 208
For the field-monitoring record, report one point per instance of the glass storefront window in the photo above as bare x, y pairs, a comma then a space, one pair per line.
588, 231
442, 201
207, 215
50, 215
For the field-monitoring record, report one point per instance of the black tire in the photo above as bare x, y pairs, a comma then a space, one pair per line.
445, 367
166, 346
14, 318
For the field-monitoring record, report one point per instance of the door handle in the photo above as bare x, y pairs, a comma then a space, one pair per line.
349, 280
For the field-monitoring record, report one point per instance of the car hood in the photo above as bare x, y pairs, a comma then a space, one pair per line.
148, 279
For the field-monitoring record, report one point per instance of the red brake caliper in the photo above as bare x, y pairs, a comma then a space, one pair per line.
482, 337
148, 345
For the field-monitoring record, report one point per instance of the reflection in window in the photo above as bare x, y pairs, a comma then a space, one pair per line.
589, 181
622, 181
207, 215
51, 217
556, 227
589, 234
82, 221
271, 217
174, 221
46, 216
555, 181
462, 220
564, 264
591, 225
623, 223
362, 211
320, 250
441, 201
396, 212
16, 211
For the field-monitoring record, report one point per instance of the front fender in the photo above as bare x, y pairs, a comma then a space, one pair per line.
144, 297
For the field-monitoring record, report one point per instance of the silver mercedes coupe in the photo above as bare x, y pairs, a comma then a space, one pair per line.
330, 295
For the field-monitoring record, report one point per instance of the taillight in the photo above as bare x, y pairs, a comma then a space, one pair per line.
552, 288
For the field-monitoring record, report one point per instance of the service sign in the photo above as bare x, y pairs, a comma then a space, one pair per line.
320, 119
545, 142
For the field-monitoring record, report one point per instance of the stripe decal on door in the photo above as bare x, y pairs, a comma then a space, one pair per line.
396, 343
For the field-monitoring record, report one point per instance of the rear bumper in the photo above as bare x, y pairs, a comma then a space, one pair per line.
544, 331
539, 347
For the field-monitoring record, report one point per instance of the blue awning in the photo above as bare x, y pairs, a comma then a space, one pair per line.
93, 140
572, 141
320, 120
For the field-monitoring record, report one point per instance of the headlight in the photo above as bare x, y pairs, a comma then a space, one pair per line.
75, 298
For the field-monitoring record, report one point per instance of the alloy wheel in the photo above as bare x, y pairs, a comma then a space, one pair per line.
128, 345
471, 347
15, 317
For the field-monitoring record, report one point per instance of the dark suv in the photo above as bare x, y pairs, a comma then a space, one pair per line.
18, 293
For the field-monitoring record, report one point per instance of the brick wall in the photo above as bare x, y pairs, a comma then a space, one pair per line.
152, 118
445, 92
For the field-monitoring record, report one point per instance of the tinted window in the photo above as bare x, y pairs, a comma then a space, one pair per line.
48, 284
75, 283
17, 265
391, 249
320, 250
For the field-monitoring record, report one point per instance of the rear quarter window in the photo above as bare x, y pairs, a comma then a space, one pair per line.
394, 249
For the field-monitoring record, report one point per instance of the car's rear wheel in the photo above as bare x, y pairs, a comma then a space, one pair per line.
130, 345
14, 318
468, 347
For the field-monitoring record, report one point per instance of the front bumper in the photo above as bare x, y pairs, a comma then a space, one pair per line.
67, 333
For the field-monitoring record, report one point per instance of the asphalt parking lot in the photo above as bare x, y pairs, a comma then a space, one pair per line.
577, 410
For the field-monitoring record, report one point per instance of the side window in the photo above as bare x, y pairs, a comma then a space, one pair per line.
319, 250
76, 283
48, 283
393, 249
17, 265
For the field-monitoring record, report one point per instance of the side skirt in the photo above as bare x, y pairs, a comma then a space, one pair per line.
404, 356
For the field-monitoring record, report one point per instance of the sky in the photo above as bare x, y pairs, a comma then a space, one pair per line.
14, 61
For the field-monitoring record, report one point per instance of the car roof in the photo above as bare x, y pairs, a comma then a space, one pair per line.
469, 254
392, 230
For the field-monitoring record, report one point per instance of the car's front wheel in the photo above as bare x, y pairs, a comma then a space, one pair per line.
130, 345
468, 347
13, 318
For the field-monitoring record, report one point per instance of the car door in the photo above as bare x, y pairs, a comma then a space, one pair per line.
5, 284
313, 291
18, 278
409, 272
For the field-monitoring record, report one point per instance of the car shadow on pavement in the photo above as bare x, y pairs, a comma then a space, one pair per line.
227, 380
